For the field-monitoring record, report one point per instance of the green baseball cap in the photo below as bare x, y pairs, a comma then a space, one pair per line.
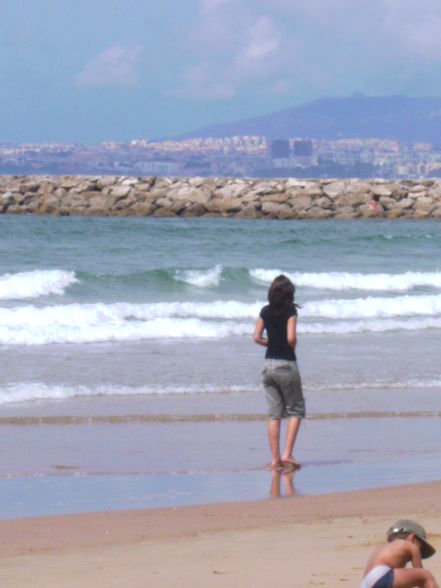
409, 526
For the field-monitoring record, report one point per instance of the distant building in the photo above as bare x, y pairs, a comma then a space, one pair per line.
164, 167
302, 148
279, 149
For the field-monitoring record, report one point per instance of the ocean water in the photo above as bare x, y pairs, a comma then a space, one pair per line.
118, 330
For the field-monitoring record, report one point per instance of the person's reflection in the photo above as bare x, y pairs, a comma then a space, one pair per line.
288, 482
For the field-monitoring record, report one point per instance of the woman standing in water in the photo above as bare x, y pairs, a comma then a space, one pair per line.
281, 377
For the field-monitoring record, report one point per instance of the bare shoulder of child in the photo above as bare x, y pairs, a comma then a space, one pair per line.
386, 567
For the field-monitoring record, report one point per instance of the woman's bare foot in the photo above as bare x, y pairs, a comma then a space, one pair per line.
277, 465
290, 462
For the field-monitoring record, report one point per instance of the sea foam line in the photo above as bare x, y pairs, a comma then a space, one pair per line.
83, 323
374, 307
28, 391
25, 391
354, 281
35, 283
169, 329
120, 312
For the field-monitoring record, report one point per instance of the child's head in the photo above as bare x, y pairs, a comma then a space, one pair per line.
403, 529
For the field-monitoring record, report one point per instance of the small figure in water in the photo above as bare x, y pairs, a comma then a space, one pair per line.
281, 378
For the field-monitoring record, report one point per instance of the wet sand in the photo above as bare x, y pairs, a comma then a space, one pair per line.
102, 454
304, 542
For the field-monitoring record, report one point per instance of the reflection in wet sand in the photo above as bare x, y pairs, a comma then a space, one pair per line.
287, 476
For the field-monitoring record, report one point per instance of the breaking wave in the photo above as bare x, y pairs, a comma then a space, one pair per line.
34, 284
83, 323
354, 281
28, 391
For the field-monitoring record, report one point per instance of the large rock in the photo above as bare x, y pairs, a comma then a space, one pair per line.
100, 202
381, 190
142, 209
49, 205
277, 210
436, 213
324, 202
301, 202
334, 189
189, 194
424, 203
353, 198
387, 202
404, 203
194, 210
105, 181
265, 188
279, 197
69, 183
394, 213
372, 209
119, 191
30, 186
163, 211
223, 204
248, 211
317, 213
311, 189
230, 190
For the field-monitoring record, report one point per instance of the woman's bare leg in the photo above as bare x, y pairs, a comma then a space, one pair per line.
291, 435
274, 441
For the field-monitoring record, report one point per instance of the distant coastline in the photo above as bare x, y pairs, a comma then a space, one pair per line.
220, 197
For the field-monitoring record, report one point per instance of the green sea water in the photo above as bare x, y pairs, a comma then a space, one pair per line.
104, 318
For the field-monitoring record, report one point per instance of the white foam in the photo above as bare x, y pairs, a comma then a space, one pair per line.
27, 391
83, 323
35, 284
373, 326
375, 307
354, 281
30, 391
412, 383
200, 278
218, 309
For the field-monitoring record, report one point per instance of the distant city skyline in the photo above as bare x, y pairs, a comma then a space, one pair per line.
94, 71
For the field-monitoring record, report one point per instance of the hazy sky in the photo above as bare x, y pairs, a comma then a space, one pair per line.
94, 70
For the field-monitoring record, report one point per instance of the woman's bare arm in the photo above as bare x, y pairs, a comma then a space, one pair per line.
291, 334
258, 333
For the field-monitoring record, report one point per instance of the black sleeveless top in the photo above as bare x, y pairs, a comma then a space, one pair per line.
275, 327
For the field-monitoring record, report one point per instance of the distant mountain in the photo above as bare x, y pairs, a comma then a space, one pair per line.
388, 117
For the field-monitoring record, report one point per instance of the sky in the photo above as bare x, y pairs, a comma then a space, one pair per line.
97, 70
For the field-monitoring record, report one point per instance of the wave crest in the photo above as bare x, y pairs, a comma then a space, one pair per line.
34, 284
354, 281
84, 323
200, 278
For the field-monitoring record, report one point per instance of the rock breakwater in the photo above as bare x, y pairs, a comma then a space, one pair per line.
224, 197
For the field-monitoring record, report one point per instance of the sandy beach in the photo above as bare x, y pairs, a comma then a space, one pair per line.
299, 541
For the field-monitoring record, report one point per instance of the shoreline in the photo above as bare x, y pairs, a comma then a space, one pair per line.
220, 197
247, 542
100, 526
220, 460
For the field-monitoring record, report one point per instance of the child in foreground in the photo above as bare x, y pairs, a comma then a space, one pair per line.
386, 567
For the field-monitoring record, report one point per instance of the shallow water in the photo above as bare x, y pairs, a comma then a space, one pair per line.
128, 376
146, 463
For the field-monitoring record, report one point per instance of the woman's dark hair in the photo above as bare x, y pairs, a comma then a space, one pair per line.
281, 294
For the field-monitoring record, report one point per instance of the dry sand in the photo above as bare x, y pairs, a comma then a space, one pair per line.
288, 542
